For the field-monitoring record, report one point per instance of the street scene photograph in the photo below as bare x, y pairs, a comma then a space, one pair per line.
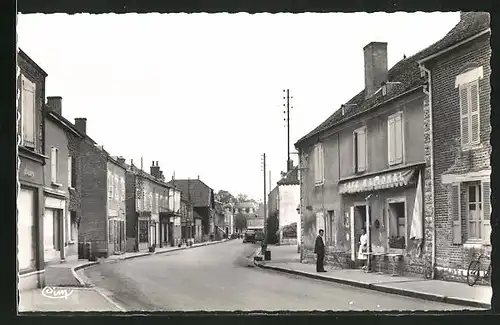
254, 162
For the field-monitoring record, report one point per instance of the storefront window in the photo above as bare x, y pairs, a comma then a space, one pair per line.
143, 231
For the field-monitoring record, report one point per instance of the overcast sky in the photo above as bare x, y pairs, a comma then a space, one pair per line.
203, 93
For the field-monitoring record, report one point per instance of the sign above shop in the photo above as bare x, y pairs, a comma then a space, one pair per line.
378, 182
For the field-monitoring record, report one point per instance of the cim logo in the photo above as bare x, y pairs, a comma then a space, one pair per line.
55, 293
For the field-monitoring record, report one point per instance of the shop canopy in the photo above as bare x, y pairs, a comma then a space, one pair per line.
377, 182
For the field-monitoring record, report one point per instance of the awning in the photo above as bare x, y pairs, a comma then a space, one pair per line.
378, 182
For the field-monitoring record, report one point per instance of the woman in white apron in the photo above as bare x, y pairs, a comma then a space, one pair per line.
363, 247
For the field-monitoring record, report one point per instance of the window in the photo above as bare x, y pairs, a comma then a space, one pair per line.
110, 186
474, 215
143, 231
397, 225
115, 186
54, 164
395, 138
122, 184
28, 112
468, 89
319, 167
359, 139
331, 237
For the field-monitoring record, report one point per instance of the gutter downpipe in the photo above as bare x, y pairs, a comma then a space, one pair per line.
431, 138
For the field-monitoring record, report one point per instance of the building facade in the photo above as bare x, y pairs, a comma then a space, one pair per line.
348, 185
31, 150
288, 201
62, 185
457, 126
202, 199
102, 197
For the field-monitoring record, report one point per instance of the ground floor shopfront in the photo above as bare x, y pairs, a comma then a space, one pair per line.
388, 208
170, 229
30, 209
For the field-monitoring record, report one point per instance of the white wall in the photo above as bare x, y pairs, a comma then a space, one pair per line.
289, 199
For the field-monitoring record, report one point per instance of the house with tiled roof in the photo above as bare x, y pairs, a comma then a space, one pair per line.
202, 199
457, 147
362, 168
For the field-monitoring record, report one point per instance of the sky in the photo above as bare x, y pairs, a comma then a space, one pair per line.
203, 93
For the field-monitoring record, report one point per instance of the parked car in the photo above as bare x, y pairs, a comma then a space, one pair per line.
234, 236
249, 236
259, 235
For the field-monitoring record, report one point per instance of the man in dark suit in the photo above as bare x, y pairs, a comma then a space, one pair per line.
319, 250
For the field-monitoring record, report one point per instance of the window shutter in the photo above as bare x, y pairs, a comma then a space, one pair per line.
70, 169
322, 163
110, 186
53, 164
391, 147
316, 164
28, 112
474, 112
464, 115
362, 150
486, 211
398, 139
456, 214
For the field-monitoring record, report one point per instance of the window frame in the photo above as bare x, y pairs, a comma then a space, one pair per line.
389, 201
355, 142
54, 166
467, 80
479, 222
24, 140
394, 117
319, 164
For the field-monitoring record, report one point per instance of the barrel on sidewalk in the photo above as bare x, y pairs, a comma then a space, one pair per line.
84, 250
267, 255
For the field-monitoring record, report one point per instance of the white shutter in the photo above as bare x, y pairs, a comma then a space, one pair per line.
321, 163
362, 150
398, 139
455, 210
391, 134
53, 164
70, 165
110, 186
464, 115
28, 112
485, 187
474, 112
122, 183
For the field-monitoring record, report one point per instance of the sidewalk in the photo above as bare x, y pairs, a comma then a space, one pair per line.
78, 299
286, 259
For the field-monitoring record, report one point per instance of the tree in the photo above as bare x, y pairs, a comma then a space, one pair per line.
272, 228
225, 197
242, 197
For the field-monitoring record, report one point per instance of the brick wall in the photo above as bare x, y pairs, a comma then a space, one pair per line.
74, 143
448, 158
93, 225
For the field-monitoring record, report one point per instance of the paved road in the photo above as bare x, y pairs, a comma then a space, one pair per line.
217, 277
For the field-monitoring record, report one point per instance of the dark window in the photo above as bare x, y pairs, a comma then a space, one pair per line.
143, 231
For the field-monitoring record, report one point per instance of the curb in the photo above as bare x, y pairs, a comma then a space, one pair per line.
77, 277
385, 289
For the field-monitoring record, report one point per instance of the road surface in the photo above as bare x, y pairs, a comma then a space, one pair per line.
218, 278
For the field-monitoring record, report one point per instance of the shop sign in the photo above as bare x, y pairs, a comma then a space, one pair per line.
400, 178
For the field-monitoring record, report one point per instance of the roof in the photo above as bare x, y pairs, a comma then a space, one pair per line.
194, 189
33, 63
62, 121
243, 205
291, 178
133, 169
406, 72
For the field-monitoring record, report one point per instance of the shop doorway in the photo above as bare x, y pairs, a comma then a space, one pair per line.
360, 215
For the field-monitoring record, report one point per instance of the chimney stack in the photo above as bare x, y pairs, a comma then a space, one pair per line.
375, 55
155, 170
81, 124
55, 102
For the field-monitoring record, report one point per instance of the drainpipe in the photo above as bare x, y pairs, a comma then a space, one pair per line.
429, 93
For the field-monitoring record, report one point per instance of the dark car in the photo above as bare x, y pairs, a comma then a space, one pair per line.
259, 235
249, 236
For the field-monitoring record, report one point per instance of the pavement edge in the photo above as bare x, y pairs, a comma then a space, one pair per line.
382, 288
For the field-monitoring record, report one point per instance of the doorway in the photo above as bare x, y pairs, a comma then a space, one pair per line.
360, 216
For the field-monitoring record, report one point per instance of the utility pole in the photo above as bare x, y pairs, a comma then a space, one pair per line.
287, 120
264, 244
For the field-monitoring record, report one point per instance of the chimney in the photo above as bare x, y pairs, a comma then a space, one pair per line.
81, 124
375, 66
198, 177
155, 170
121, 160
55, 102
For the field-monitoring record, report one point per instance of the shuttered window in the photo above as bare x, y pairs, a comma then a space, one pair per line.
54, 164
319, 167
360, 150
28, 112
486, 212
469, 113
110, 186
455, 211
395, 138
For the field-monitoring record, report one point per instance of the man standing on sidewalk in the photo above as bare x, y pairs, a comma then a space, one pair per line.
319, 250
